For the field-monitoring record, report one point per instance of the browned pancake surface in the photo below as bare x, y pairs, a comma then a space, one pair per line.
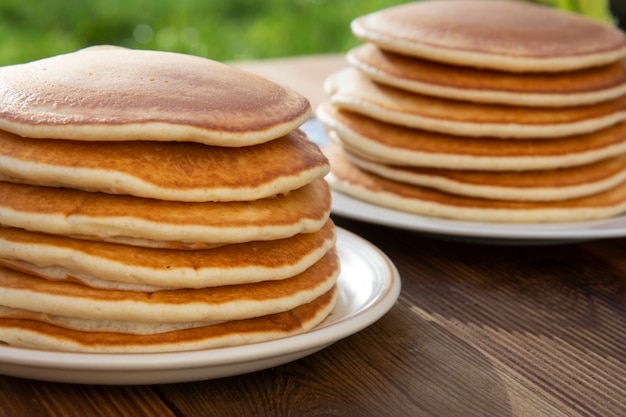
227, 302
352, 90
525, 179
47, 336
510, 32
163, 267
108, 93
398, 137
347, 173
317, 275
178, 170
421, 76
100, 216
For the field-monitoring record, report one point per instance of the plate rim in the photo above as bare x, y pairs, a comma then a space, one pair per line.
584, 230
316, 339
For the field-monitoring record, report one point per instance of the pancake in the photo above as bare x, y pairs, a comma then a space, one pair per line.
111, 266
212, 304
118, 94
572, 88
157, 223
84, 325
165, 170
504, 35
348, 179
543, 185
352, 90
396, 145
41, 335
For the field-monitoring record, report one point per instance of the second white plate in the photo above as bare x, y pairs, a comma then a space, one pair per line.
502, 233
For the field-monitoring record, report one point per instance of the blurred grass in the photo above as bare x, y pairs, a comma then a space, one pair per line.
218, 29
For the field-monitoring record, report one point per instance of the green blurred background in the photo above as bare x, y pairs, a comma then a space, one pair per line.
223, 30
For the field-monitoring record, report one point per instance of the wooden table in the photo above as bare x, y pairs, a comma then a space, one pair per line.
478, 330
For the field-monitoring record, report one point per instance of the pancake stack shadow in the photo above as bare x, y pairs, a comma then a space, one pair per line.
482, 111
157, 202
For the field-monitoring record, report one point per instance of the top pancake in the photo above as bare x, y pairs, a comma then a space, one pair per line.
506, 35
181, 171
572, 88
113, 94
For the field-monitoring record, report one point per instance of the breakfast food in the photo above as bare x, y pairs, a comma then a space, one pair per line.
154, 202
116, 94
349, 89
508, 36
208, 304
481, 110
162, 223
178, 171
542, 89
540, 185
106, 265
40, 331
386, 142
432, 202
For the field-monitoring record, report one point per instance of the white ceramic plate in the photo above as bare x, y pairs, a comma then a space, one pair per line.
501, 233
369, 285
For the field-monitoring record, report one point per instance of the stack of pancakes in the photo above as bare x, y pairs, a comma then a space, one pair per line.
153, 202
500, 111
